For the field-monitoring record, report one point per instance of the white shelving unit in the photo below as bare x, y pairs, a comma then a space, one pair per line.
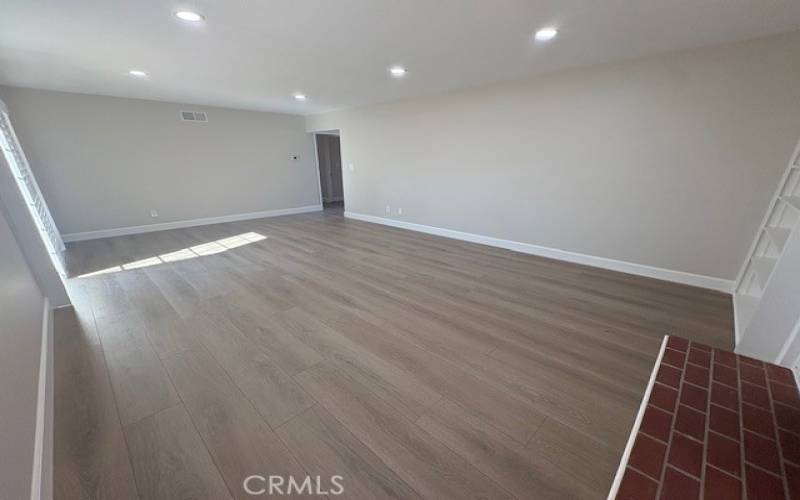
782, 218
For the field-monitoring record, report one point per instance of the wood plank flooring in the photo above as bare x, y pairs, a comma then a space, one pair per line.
411, 365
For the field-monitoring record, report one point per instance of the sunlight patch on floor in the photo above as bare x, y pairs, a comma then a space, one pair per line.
202, 250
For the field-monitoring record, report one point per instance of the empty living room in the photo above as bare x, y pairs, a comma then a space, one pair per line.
371, 249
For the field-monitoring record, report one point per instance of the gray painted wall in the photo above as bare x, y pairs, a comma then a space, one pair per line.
105, 162
667, 161
21, 307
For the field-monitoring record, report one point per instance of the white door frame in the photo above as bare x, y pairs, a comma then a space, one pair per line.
316, 156
319, 173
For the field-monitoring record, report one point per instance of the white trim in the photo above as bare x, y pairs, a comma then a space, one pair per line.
737, 332
780, 359
623, 462
314, 134
41, 405
316, 160
685, 278
796, 377
342, 164
121, 231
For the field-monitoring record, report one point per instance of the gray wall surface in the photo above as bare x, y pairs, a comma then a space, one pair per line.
105, 162
667, 161
21, 307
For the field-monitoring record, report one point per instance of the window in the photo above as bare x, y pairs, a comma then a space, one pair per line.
21, 171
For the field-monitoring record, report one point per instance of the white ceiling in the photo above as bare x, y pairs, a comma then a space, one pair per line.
254, 54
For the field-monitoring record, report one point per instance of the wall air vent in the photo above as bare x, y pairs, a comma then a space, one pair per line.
194, 116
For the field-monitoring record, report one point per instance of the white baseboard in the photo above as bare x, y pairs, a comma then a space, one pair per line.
121, 231
623, 462
40, 469
737, 328
709, 282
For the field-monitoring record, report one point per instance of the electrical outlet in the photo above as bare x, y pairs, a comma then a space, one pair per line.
388, 209
351, 167
153, 213
294, 157
399, 211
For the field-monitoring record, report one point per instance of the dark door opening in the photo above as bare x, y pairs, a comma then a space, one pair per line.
329, 159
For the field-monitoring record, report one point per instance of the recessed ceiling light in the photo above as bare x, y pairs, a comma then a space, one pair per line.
546, 34
300, 97
190, 16
137, 73
398, 71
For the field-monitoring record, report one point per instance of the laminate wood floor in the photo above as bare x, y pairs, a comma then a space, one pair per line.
411, 365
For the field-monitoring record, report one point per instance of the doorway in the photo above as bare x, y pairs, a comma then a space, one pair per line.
329, 160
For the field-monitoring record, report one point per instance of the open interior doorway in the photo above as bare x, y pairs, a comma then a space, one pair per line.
329, 159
